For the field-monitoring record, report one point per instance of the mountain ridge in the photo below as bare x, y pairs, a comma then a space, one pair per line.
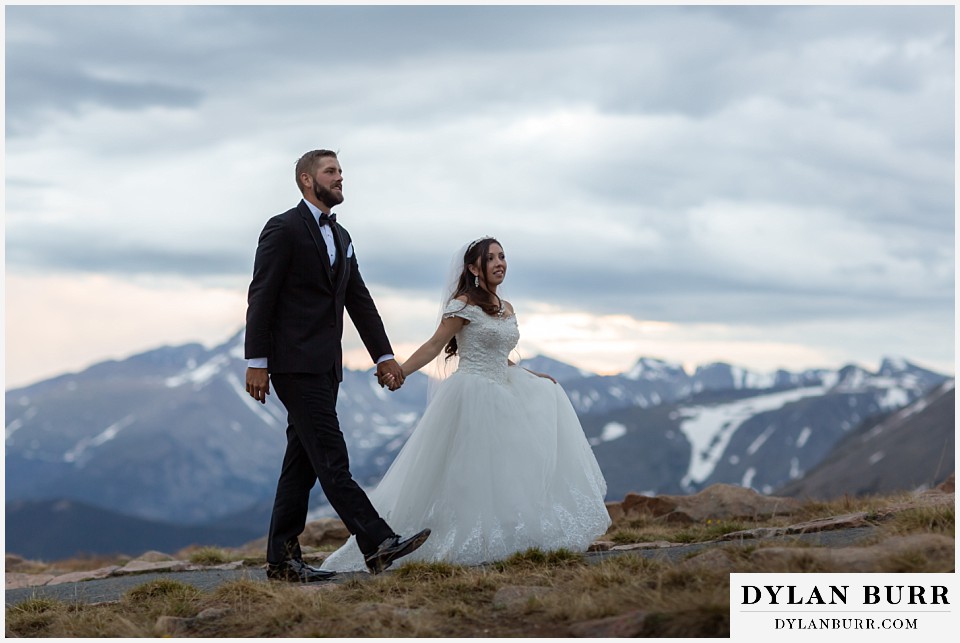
170, 435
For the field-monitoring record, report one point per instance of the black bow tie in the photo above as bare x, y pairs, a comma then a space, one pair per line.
326, 219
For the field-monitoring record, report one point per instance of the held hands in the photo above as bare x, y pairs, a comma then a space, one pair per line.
258, 384
390, 374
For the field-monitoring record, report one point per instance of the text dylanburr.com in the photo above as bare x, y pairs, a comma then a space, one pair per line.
847, 607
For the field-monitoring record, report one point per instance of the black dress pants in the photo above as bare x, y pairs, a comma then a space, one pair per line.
315, 451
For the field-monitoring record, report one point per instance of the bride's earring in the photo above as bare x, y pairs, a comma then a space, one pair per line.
476, 281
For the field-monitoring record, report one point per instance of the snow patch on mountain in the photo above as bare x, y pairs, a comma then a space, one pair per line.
795, 470
709, 428
75, 454
760, 439
653, 369
893, 398
12, 428
611, 431
201, 374
18, 424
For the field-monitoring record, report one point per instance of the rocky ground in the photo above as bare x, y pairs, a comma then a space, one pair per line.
849, 541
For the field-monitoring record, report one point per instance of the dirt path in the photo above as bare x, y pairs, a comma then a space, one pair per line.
113, 588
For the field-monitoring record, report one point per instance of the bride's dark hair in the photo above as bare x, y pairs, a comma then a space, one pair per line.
476, 295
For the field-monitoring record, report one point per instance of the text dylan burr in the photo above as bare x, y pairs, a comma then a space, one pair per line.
837, 595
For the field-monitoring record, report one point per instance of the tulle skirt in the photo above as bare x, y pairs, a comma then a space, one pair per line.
493, 468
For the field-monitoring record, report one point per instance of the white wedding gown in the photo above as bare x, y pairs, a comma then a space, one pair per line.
498, 463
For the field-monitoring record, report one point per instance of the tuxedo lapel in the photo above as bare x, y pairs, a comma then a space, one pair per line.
318, 241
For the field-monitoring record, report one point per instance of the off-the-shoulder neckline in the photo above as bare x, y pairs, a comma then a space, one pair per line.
465, 304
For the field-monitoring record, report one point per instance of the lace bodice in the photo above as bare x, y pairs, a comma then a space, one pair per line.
485, 343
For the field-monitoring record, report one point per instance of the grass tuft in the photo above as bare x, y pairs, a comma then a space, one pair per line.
32, 617
242, 593
537, 558
161, 588
936, 520
209, 556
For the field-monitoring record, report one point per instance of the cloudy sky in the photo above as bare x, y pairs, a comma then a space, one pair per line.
768, 186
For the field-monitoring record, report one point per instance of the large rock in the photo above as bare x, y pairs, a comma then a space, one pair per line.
637, 505
154, 557
716, 502
846, 521
615, 510
326, 531
656, 544
140, 566
76, 577
15, 580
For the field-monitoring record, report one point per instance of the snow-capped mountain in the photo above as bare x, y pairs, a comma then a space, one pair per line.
171, 435
657, 429
652, 382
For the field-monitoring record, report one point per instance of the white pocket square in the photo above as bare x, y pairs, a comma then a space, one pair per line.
350, 250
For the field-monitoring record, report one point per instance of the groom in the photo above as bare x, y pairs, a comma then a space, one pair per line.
304, 274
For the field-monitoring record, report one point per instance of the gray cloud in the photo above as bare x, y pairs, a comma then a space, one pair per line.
72, 90
640, 159
102, 256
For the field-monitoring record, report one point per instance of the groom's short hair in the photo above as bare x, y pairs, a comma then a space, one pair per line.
308, 163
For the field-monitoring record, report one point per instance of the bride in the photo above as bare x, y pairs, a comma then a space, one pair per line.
499, 462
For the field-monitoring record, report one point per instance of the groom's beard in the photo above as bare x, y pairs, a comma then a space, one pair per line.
326, 197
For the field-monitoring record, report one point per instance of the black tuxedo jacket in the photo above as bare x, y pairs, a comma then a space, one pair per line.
296, 299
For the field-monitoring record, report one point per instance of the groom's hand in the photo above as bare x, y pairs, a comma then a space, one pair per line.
258, 384
392, 369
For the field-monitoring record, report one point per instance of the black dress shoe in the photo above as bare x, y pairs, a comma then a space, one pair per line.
393, 548
294, 570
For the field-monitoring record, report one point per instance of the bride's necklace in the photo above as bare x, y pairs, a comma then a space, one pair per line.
500, 310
